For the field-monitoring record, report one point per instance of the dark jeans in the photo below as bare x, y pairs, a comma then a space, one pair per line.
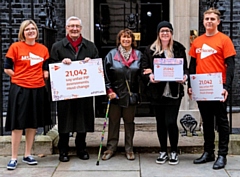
210, 110
166, 117
80, 142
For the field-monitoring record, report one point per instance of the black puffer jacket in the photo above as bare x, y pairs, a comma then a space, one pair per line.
116, 73
155, 90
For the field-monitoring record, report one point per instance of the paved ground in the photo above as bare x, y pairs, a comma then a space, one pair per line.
143, 166
145, 144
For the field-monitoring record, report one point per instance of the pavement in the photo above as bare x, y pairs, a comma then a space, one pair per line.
118, 166
146, 148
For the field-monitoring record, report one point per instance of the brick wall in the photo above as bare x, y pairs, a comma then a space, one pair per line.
235, 38
22, 10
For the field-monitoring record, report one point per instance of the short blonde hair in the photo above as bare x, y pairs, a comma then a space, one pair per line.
213, 10
73, 18
23, 25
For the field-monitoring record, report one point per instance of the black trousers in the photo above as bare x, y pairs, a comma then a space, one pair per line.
210, 111
80, 142
166, 117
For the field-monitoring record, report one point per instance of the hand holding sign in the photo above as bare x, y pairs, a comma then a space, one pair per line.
170, 69
207, 86
77, 80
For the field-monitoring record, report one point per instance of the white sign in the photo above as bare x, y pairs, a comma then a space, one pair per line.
170, 69
207, 86
77, 80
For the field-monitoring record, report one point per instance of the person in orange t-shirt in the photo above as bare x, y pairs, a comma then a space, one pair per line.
26, 64
213, 52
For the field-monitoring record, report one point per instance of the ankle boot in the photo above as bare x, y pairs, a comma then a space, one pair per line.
83, 154
220, 162
206, 157
63, 157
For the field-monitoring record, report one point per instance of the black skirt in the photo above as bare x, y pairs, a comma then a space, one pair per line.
27, 108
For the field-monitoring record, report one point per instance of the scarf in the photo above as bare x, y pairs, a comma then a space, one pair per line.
124, 53
75, 43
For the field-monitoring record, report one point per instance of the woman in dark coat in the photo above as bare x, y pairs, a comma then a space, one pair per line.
122, 71
76, 115
165, 96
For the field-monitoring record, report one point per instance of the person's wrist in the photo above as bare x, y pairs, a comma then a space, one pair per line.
150, 78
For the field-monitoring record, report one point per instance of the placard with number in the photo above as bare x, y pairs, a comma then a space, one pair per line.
207, 86
168, 69
77, 80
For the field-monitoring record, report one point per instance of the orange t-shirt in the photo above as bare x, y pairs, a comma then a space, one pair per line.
210, 53
28, 61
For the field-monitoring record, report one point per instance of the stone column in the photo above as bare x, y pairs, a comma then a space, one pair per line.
83, 10
184, 17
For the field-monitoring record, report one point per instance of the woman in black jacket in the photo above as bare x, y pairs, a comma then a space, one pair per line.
122, 71
165, 96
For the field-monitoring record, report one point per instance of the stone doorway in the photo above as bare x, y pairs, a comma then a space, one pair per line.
142, 17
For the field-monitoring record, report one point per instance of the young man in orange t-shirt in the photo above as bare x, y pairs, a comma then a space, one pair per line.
213, 52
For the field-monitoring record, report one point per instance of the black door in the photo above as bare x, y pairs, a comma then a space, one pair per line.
142, 17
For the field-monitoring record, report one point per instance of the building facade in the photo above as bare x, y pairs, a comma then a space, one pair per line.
102, 19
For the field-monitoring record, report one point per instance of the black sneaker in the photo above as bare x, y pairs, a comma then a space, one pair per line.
162, 158
29, 160
173, 158
12, 165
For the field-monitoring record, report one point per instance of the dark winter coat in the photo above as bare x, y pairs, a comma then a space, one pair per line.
75, 115
155, 90
116, 74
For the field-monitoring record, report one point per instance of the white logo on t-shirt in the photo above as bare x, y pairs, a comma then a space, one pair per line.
34, 59
206, 51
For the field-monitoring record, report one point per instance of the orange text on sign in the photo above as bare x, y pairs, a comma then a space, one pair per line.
76, 72
205, 82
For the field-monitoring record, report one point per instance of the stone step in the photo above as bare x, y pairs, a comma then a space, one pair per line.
145, 140
141, 124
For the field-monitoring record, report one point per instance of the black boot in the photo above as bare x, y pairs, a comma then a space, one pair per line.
80, 142
63, 157
206, 157
220, 162
83, 154
63, 147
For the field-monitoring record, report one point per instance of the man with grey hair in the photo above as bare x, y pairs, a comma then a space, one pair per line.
75, 115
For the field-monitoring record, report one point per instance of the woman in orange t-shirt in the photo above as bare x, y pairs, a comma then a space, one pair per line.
26, 65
